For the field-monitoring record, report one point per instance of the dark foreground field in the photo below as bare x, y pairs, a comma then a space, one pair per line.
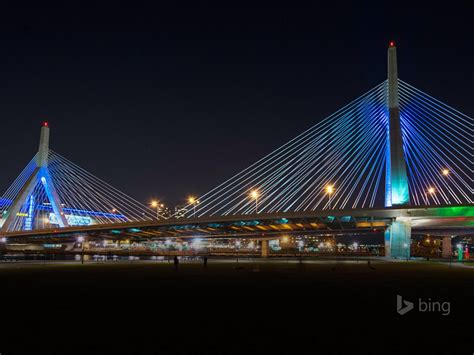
277, 307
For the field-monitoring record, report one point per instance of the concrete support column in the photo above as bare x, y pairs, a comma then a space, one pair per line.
398, 239
447, 247
265, 248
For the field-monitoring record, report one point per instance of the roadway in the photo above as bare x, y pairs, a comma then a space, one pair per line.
444, 220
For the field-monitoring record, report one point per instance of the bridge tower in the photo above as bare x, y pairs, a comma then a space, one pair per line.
26, 195
398, 236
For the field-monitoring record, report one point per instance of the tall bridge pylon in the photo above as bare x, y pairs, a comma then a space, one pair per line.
52, 192
398, 235
396, 188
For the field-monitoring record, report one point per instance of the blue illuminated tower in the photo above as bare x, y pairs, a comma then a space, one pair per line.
40, 176
398, 235
396, 188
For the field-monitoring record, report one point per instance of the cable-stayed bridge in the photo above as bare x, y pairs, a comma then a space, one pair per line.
393, 160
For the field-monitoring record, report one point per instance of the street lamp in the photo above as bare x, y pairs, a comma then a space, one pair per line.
193, 201
445, 172
329, 190
430, 191
157, 205
254, 195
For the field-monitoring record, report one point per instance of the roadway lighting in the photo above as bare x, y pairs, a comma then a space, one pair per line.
193, 201
156, 205
329, 190
254, 195
445, 172
430, 191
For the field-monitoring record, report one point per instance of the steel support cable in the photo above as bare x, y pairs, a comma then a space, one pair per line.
247, 203
212, 193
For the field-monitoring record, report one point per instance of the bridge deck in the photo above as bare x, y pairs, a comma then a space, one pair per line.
452, 218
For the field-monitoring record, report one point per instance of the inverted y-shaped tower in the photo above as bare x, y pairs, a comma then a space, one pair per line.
39, 175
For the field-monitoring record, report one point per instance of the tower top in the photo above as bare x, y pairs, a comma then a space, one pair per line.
43, 149
392, 75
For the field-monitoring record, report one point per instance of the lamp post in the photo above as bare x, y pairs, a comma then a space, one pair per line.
430, 191
158, 206
193, 201
329, 190
254, 195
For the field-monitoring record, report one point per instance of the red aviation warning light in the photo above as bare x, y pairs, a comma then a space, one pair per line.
45, 124
392, 43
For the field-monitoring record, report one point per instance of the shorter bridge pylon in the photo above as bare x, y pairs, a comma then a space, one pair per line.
52, 192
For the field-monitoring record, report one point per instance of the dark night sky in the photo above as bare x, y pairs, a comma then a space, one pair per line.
167, 101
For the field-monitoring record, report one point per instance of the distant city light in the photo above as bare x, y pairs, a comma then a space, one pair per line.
80, 239
3, 240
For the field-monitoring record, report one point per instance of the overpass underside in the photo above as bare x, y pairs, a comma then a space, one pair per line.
443, 221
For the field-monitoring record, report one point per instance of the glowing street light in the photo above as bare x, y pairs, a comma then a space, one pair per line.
158, 206
431, 192
254, 195
329, 190
445, 172
193, 201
